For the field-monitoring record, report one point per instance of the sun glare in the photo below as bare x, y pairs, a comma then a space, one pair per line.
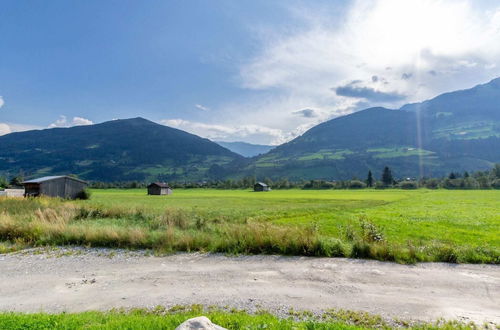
404, 29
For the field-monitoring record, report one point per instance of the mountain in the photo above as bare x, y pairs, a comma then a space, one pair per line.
245, 149
118, 150
457, 131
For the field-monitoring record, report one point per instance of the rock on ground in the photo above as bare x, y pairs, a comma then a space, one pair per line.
199, 323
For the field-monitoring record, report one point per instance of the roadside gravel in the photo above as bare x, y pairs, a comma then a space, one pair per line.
79, 279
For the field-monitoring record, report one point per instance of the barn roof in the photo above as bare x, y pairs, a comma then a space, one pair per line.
50, 178
261, 184
160, 184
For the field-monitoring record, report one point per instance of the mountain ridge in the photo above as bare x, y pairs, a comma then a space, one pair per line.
246, 149
124, 149
455, 131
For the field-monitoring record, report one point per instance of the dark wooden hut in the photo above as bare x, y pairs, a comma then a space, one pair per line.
54, 186
261, 186
159, 188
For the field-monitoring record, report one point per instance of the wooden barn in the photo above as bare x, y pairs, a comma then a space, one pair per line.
261, 186
159, 188
54, 186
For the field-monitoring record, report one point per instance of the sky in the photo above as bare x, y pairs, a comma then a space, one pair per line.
260, 71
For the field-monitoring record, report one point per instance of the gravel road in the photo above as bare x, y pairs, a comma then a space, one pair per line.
90, 279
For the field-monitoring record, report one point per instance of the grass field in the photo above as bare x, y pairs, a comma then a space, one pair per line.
394, 225
160, 318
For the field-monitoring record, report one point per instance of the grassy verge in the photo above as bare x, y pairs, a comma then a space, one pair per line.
389, 226
161, 318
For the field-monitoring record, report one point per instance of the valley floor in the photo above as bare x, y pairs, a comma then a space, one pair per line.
387, 225
77, 279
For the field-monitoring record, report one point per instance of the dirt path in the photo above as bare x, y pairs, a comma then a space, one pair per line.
88, 281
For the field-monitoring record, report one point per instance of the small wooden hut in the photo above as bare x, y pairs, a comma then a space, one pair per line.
261, 186
54, 186
159, 188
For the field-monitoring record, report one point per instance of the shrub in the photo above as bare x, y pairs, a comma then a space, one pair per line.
360, 250
432, 184
370, 232
318, 184
495, 184
470, 183
3, 182
356, 184
408, 185
452, 183
84, 194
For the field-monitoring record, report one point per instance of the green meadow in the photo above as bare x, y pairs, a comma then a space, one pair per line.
394, 225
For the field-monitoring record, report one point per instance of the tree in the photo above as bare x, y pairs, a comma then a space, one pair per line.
248, 182
3, 182
17, 181
356, 184
387, 178
452, 176
466, 174
496, 171
369, 179
268, 181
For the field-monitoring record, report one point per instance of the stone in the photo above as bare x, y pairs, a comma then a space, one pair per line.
199, 323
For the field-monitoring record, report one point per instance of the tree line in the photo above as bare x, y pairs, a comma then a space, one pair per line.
489, 179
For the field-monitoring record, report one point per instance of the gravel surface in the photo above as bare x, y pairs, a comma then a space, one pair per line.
78, 279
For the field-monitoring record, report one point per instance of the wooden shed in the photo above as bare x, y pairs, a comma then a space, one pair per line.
159, 188
261, 186
54, 186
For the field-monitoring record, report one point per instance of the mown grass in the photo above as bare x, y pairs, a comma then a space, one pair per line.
161, 318
391, 225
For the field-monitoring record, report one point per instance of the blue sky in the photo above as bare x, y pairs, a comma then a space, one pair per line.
259, 71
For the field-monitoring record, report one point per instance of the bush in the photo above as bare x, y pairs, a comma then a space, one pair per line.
84, 194
470, 183
380, 185
432, 184
408, 185
318, 184
452, 183
3, 182
356, 184
495, 184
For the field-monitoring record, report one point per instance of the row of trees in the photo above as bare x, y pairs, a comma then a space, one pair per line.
476, 180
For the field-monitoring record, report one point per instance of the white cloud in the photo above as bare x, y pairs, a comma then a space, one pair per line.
4, 129
77, 121
252, 133
202, 107
416, 49
61, 122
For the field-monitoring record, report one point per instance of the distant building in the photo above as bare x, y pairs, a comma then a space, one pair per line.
54, 186
260, 186
159, 188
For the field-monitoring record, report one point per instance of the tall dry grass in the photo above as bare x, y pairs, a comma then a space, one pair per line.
44, 221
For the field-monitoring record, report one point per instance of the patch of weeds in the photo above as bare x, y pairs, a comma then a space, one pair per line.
369, 231
355, 318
